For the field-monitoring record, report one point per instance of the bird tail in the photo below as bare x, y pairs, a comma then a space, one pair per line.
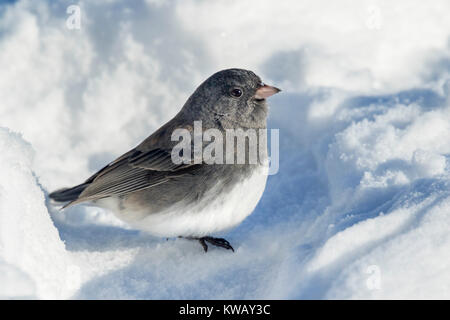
68, 194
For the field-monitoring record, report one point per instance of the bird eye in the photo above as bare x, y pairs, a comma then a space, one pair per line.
236, 92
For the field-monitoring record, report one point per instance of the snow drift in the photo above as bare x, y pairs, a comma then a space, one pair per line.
33, 259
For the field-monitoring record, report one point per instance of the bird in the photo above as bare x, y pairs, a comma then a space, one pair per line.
193, 199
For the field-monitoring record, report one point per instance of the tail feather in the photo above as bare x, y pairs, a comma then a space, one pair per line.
68, 194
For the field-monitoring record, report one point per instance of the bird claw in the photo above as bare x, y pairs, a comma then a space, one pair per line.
218, 242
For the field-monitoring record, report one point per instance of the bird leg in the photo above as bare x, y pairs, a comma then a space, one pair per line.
218, 242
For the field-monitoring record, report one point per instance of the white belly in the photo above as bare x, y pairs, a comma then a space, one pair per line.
212, 214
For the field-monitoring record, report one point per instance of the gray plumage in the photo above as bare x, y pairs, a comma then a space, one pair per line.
146, 180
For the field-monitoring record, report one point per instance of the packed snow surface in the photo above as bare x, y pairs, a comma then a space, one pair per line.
360, 207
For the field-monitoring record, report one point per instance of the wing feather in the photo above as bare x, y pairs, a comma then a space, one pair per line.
156, 159
132, 172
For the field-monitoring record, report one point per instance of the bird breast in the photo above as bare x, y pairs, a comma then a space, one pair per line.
216, 211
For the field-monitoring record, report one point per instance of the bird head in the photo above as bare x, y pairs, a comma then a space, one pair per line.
231, 98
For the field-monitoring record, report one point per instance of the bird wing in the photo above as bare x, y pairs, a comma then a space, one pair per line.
155, 159
147, 165
134, 171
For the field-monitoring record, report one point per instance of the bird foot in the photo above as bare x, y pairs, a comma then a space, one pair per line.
218, 242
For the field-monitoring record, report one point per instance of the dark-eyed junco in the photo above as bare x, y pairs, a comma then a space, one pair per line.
152, 190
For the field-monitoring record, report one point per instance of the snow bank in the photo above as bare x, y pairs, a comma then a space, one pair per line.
358, 209
33, 260
389, 185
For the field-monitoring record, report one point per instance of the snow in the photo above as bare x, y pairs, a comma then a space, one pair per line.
360, 205
32, 256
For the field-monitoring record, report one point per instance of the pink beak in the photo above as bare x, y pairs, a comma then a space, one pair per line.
266, 91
